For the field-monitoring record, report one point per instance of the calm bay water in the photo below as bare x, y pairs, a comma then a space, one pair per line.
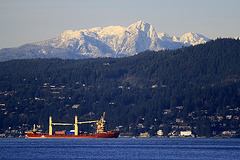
120, 148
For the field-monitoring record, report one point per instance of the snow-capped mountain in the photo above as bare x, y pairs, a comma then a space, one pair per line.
112, 41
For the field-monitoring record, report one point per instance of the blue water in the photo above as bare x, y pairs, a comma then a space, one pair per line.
120, 148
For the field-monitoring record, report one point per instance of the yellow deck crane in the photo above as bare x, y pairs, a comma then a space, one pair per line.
101, 124
56, 124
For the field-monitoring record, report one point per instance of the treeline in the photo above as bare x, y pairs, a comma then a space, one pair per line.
203, 79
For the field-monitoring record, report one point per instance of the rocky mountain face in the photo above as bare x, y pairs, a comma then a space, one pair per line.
112, 41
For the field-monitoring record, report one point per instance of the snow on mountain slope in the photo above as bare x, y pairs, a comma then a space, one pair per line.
187, 39
192, 38
138, 37
112, 41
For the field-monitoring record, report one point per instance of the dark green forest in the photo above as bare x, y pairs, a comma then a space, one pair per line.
193, 88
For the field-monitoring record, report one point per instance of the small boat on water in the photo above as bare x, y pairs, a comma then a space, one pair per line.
101, 130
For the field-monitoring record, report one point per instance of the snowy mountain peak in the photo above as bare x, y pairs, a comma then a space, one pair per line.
140, 25
96, 29
70, 34
192, 38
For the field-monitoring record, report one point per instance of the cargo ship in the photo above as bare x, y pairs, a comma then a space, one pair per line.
101, 130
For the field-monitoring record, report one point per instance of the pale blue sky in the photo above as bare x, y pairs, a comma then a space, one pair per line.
26, 21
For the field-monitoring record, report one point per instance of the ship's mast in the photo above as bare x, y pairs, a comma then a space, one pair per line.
50, 125
76, 126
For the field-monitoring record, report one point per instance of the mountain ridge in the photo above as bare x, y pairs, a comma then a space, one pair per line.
111, 41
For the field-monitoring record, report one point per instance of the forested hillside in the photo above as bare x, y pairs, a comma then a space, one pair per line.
194, 88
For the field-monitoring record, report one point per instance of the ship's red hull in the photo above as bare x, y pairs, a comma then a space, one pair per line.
89, 135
